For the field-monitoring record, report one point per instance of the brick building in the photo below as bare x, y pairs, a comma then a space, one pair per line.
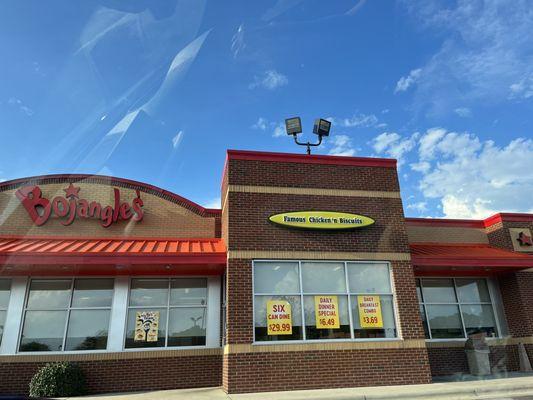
309, 277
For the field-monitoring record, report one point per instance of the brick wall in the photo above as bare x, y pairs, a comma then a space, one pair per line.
257, 189
517, 295
452, 360
107, 376
257, 372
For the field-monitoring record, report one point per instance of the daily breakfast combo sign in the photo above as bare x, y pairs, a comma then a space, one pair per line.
327, 312
369, 311
279, 318
321, 220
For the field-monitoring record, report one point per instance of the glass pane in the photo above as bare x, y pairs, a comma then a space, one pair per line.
369, 278
49, 293
43, 331
472, 290
276, 277
130, 332
186, 326
424, 321
312, 332
444, 321
188, 291
321, 277
149, 292
479, 318
438, 291
418, 291
387, 314
2, 322
92, 293
5, 286
87, 330
261, 330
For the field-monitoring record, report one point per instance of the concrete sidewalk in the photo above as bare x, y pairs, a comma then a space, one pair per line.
493, 389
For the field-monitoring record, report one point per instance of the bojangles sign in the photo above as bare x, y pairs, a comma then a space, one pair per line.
70, 207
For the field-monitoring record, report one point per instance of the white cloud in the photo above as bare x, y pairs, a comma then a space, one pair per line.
463, 112
406, 82
428, 141
522, 89
176, 140
213, 203
474, 179
342, 146
362, 121
422, 166
279, 130
393, 145
486, 54
21, 106
263, 124
420, 207
471, 178
270, 80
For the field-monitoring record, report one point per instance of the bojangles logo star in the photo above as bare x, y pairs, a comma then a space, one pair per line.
524, 239
71, 191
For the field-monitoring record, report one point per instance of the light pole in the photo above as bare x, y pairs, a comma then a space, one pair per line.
293, 126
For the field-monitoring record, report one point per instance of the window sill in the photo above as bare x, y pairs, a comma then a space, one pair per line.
110, 355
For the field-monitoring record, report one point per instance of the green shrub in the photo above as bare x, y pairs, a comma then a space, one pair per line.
58, 380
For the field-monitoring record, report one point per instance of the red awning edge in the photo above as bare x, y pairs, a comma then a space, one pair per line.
429, 257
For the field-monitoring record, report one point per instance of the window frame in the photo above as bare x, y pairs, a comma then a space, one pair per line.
458, 303
68, 310
6, 308
347, 293
167, 308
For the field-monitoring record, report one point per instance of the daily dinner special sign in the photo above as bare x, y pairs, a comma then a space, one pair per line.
327, 312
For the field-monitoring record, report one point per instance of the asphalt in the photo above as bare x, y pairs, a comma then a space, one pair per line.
496, 389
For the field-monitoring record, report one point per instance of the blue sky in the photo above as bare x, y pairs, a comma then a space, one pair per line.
156, 91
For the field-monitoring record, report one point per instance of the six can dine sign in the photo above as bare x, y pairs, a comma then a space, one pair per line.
279, 317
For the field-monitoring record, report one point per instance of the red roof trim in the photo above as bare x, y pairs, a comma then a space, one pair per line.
471, 223
56, 250
310, 159
507, 217
441, 222
112, 181
454, 255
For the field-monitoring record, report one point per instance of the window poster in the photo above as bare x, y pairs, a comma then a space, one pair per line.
146, 326
279, 318
327, 312
369, 311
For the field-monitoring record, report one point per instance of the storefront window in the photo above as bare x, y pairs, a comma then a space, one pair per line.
5, 291
167, 313
67, 314
454, 308
341, 300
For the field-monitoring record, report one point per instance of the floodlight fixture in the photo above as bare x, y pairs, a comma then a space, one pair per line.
321, 127
293, 126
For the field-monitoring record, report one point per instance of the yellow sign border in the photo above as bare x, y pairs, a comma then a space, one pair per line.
322, 220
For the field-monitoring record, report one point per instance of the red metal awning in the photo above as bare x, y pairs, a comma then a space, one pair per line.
477, 258
124, 254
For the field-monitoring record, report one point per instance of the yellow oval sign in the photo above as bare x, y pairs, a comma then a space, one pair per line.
321, 220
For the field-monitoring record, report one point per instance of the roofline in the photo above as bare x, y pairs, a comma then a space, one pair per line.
310, 159
471, 223
111, 180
